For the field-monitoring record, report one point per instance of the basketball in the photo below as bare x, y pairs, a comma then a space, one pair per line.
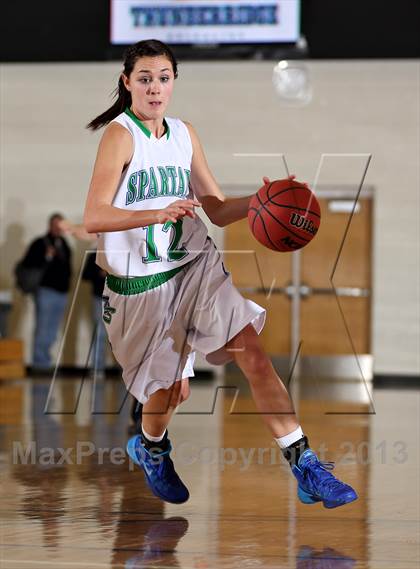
284, 215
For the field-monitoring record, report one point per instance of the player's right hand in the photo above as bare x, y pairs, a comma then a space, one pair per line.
176, 210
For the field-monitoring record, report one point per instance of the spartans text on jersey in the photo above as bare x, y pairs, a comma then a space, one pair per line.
148, 184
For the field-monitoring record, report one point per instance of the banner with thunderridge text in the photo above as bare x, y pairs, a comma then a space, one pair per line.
205, 21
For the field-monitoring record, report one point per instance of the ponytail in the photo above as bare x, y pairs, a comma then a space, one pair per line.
123, 101
146, 48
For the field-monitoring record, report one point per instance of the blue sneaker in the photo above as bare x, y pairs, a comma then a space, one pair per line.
159, 471
317, 484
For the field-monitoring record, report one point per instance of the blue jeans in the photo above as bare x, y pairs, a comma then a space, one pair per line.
49, 309
99, 345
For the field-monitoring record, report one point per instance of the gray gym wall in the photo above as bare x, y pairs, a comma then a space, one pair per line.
358, 107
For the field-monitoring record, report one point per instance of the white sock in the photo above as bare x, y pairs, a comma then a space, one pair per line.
150, 437
289, 439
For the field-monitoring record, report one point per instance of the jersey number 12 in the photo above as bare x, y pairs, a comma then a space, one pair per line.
174, 253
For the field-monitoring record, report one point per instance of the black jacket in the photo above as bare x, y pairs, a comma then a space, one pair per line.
58, 269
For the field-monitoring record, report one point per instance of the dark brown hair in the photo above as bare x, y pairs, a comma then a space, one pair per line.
146, 48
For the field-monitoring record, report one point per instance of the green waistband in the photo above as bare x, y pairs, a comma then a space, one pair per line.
136, 285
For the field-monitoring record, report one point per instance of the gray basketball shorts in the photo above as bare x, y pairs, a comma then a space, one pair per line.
154, 334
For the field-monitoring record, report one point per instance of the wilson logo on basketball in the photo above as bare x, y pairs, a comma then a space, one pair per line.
301, 222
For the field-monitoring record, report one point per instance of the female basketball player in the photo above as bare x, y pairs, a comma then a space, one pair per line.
167, 293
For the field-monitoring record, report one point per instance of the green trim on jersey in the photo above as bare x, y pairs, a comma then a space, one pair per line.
135, 285
144, 128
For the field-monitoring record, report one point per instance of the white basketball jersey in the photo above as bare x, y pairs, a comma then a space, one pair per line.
158, 174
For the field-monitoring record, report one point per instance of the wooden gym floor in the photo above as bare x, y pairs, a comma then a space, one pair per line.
70, 498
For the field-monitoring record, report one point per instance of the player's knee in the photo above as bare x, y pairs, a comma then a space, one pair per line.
184, 393
180, 392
